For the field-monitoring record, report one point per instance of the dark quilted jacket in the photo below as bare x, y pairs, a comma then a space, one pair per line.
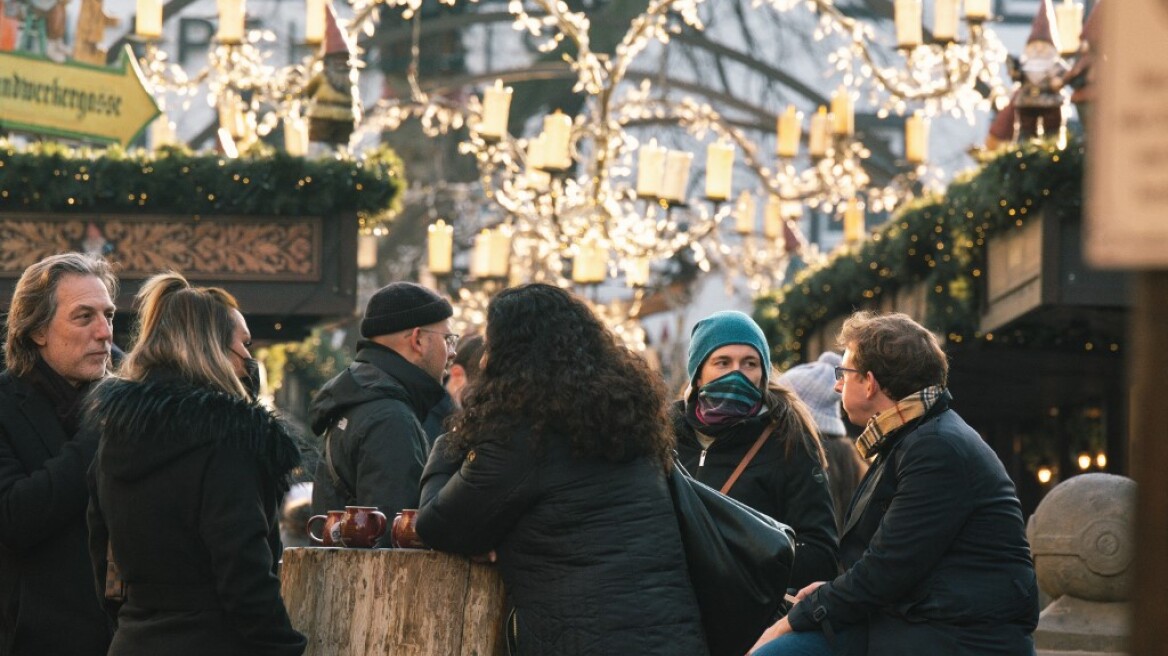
589, 549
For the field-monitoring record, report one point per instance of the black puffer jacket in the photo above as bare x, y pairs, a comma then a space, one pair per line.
790, 488
589, 549
370, 419
185, 488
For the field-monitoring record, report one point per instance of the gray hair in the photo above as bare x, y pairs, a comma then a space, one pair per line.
34, 302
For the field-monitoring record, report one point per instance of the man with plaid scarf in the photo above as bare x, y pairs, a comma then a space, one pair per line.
934, 545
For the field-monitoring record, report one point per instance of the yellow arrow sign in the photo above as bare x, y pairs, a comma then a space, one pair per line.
77, 101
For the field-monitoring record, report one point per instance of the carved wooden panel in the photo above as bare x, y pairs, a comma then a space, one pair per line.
202, 248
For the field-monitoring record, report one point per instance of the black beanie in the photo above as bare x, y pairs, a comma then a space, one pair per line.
403, 305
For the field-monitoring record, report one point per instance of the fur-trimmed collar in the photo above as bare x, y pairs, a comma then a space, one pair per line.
172, 417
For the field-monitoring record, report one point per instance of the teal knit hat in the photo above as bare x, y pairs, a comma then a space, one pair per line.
720, 329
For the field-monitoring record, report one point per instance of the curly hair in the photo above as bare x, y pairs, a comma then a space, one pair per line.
553, 367
901, 353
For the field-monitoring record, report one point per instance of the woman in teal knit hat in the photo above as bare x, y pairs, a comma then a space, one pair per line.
731, 402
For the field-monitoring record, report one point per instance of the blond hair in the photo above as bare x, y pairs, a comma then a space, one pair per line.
185, 329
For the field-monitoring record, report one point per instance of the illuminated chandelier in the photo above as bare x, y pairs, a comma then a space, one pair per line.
585, 200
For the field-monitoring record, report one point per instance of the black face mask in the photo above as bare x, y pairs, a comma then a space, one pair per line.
251, 377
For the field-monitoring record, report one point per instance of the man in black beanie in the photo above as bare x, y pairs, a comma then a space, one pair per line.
370, 415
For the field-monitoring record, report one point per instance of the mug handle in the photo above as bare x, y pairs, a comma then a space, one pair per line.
308, 527
381, 523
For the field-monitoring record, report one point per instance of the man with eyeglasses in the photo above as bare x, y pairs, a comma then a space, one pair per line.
934, 546
370, 415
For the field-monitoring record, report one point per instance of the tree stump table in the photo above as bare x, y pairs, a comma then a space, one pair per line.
406, 602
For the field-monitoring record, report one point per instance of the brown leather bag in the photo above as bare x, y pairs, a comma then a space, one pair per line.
115, 585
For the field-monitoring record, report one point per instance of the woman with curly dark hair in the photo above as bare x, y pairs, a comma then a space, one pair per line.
558, 464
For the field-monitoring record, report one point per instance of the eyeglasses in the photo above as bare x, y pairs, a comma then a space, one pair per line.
839, 372
451, 338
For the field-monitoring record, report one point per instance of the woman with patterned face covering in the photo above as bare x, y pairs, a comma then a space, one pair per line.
732, 409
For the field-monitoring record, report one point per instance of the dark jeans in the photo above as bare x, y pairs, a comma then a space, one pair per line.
804, 643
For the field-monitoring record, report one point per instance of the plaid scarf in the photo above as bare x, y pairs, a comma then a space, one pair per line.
913, 406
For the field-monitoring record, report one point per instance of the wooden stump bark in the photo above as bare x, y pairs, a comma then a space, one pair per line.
406, 602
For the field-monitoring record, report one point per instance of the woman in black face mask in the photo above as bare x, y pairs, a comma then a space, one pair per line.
733, 414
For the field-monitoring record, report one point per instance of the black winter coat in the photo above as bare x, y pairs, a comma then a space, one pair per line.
47, 605
370, 418
589, 549
792, 489
185, 488
934, 549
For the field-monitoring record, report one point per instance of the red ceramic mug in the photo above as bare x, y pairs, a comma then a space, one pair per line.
361, 526
330, 532
404, 535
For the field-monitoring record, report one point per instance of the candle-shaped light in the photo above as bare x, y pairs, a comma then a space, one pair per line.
499, 259
744, 214
440, 247
480, 255
853, 221
313, 22
843, 113
792, 210
907, 16
945, 20
772, 217
1069, 17
719, 167
676, 179
817, 137
977, 10
790, 131
916, 138
650, 170
537, 178
148, 20
581, 267
295, 136
162, 132
637, 272
230, 115
496, 110
557, 134
231, 21
367, 252
590, 263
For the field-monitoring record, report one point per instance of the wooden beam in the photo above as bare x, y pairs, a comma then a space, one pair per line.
1149, 454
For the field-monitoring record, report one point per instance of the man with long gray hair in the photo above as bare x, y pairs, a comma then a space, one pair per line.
59, 336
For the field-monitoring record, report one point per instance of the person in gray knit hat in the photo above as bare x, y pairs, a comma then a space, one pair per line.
734, 404
814, 383
370, 415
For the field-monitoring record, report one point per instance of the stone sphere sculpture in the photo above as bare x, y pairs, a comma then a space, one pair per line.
1081, 537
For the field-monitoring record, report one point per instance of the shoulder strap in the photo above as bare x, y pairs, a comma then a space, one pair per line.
747, 458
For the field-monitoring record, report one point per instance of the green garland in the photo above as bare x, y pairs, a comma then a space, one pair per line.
50, 177
939, 242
